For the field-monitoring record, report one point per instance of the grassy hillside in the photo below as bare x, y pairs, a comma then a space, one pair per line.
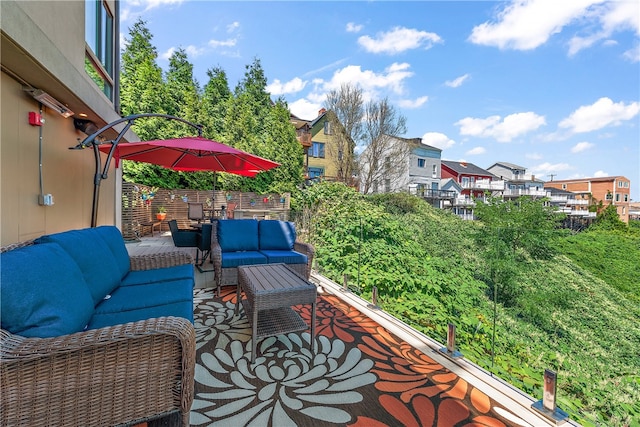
568, 313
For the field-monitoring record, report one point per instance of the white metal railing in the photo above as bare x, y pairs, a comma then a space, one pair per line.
525, 192
484, 184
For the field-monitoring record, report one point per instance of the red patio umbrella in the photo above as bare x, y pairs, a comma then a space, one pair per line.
191, 154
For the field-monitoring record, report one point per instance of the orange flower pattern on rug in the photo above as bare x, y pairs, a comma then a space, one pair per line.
358, 374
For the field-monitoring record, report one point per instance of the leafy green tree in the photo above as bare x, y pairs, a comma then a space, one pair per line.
142, 89
255, 124
512, 230
608, 219
215, 102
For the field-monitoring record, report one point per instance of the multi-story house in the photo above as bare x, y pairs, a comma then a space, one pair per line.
614, 190
517, 181
59, 64
408, 164
321, 159
575, 205
474, 182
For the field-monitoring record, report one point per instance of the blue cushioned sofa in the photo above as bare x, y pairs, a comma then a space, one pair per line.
236, 242
101, 334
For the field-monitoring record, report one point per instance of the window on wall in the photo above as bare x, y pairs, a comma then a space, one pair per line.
434, 171
421, 163
317, 149
315, 172
617, 197
327, 128
626, 197
99, 38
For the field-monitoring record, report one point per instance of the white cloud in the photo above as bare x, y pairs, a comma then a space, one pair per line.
633, 54
604, 112
600, 174
193, 51
305, 109
167, 54
533, 156
438, 140
131, 9
549, 168
292, 86
413, 103
233, 27
476, 151
581, 146
525, 25
457, 82
353, 27
392, 79
513, 125
398, 40
222, 43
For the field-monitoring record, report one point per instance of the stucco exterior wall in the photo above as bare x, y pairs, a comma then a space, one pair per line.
43, 47
66, 174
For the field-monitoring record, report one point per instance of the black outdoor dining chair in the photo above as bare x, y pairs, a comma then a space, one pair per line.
183, 238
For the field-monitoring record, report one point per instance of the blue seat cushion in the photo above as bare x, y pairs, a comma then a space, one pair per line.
236, 259
44, 293
238, 235
135, 297
288, 257
140, 277
113, 238
276, 235
93, 256
182, 309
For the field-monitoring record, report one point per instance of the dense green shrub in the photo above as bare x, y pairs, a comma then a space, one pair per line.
565, 302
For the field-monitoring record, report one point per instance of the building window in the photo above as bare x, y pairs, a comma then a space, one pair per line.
317, 149
327, 128
626, 197
100, 42
421, 163
434, 171
609, 196
564, 186
617, 197
387, 185
315, 172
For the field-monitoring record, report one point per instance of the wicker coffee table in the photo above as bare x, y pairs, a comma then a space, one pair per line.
270, 291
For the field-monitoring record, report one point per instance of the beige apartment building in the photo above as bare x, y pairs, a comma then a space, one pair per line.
59, 65
613, 190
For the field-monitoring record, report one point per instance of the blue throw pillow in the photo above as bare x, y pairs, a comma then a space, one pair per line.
43, 292
96, 261
277, 235
238, 235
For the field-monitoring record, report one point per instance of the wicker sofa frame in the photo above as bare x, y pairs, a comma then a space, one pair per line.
229, 276
119, 375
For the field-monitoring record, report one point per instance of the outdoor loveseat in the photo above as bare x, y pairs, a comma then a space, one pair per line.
237, 242
91, 336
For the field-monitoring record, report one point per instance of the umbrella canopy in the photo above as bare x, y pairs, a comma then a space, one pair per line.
192, 154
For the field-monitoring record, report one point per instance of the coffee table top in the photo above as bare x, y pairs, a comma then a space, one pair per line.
266, 278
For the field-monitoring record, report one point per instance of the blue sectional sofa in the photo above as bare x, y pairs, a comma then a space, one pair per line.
236, 242
79, 293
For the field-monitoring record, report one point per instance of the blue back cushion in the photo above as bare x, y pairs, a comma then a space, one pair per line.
43, 292
238, 235
113, 238
93, 256
277, 235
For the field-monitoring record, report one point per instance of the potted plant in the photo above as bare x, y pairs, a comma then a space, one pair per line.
162, 213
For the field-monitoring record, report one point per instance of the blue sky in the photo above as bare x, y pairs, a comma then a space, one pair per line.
550, 85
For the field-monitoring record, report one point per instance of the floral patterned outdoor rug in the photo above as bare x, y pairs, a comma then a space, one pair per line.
360, 375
